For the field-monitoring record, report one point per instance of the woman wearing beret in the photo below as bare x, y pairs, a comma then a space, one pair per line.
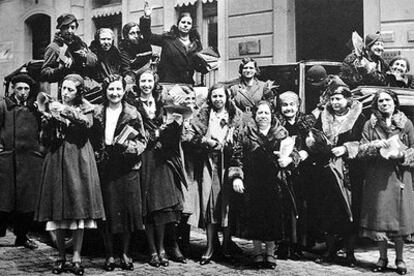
339, 174
367, 69
70, 195
387, 201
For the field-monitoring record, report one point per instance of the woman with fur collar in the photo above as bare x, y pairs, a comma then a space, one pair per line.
341, 123
259, 176
119, 164
213, 129
162, 172
388, 202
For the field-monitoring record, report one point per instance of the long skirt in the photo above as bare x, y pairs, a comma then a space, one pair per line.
123, 203
162, 199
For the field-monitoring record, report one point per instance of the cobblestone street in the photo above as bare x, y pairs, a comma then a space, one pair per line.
22, 261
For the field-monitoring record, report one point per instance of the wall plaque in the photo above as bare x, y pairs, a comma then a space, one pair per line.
249, 47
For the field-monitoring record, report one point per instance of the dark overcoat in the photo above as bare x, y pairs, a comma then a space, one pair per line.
339, 180
204, 171
20, 157
119, 172
69, 186
388, 200
260, 207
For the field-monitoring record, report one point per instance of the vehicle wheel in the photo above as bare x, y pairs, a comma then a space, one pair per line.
68, 239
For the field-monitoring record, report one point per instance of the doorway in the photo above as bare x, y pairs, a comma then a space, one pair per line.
324, 28
39, 28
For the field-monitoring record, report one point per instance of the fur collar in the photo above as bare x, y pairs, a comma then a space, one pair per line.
327, 119
201, 120
398, 120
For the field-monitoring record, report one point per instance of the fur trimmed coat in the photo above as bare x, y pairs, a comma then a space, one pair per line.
339, 179
203, 173
258, 212
119, 172
388, 200
354, 75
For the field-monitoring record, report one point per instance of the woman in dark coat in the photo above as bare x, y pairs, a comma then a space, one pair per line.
162, 171
260, 175
213, 129
338, 172
179, 46
296, 216
388, 201
119, 168
367, 69
70, 194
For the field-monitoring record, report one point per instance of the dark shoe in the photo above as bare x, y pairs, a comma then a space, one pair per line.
163, 259
177, 256
270, 261
381, 265
258, 261
296, 252
330, 258
154, 260
26, 242
126, 265
109, 266
76, 268
59, 267
205, 259
350, 260
401, 267
282, 251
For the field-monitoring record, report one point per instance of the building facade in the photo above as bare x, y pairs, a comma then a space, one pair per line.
271, 31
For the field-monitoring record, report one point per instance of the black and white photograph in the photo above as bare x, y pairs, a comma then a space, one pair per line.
206, 137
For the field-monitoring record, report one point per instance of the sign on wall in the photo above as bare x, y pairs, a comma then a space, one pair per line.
249, 47
6, 53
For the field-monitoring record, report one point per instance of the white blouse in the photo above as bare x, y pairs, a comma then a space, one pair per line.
112, 116
218, 125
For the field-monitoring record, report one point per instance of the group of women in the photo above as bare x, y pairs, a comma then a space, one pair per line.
245, 162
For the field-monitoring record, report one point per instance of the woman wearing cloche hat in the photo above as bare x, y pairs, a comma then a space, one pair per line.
368, 68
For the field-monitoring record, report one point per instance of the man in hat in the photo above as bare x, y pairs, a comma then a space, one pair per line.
368, 68
67, 53
20, 160
316, 84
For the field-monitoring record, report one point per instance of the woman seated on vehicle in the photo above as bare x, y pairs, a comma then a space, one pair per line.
398, 75
179, 46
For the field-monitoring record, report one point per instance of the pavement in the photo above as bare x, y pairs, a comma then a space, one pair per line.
22, 261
